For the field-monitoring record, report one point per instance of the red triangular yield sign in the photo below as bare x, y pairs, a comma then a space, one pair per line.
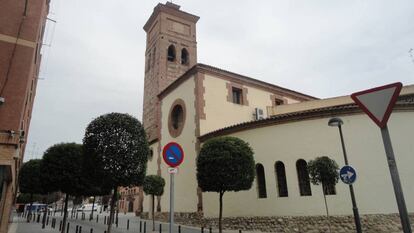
378, 102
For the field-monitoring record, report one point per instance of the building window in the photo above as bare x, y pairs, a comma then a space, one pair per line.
303, 178
237, 95
281, 179
176, 118
184, 57
150, 154
279, 102
329, 189
171, 53
261, 181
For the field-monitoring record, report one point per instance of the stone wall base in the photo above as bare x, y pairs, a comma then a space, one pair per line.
372, 223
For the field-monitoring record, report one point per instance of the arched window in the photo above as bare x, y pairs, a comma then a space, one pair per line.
171, 53
184, 57
303, 177
281, 179
261, 181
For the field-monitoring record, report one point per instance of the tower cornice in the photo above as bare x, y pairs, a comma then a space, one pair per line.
171, 9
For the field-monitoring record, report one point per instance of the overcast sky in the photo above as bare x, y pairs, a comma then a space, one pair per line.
95, 64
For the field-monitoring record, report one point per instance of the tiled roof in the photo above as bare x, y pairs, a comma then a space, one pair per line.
199, 67
405, 103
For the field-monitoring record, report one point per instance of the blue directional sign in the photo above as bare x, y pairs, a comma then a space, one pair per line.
347, 174
173, 154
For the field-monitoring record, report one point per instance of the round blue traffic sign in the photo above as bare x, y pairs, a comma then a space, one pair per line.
347, 174
173, 154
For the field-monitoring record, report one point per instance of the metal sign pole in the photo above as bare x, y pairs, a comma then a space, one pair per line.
405, 221
351, 188
171, 202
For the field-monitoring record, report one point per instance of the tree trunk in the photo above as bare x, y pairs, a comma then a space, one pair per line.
221, 211
46, 211
65, 213
111, 213
29, 215
153, 214
93, 206
326, 207
117, 212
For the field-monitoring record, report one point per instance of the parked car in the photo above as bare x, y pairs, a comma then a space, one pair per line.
87, 207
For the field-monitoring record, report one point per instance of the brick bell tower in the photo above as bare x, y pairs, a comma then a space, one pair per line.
171, 50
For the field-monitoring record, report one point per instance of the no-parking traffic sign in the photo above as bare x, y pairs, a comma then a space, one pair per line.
173, 154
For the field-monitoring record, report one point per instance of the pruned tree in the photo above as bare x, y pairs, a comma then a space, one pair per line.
119, 144
30, 181
225, 164
154, 186
324, 171
61, 169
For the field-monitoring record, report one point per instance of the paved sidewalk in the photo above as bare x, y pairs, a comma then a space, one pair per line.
20, 225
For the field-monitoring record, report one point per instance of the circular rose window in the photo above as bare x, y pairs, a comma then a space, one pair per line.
176, 119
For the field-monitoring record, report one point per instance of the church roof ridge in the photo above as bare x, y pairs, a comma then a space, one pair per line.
200, 67
404, 103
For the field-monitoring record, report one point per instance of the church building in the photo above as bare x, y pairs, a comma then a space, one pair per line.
188, 102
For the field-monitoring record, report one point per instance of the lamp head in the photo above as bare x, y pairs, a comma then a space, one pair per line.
336, 121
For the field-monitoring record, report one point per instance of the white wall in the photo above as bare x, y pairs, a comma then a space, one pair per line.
152, 168
185, 181
311, 138
221, 113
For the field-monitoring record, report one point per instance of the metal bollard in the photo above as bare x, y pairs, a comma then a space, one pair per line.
128, 224
179, 228
160, 228
140, 226
67, 228
210, 229
202, 229
145, 227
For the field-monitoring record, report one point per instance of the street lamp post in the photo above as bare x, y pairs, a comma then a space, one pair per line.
338, 122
